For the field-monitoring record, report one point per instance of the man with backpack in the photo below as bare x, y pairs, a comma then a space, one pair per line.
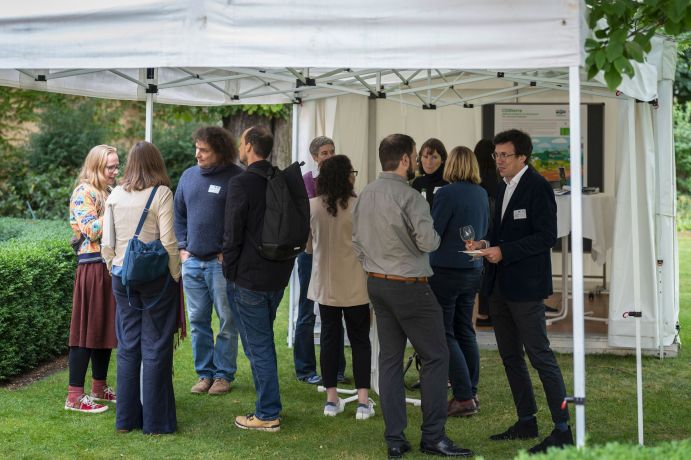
265, 209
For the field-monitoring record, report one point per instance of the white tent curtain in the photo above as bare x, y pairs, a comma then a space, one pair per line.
633, 285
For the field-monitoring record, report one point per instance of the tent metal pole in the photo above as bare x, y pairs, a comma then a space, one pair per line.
294, 295
149, 117
577, 253
636, 263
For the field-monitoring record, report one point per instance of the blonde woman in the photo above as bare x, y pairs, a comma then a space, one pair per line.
92, 328
457, 277
146, 311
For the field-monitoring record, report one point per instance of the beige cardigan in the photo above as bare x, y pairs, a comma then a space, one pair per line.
123, 210
338, 279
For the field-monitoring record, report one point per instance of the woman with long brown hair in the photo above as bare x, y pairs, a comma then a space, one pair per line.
146, 311
339, 283
92, 328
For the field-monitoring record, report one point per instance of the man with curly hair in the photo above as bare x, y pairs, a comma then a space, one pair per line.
199, 205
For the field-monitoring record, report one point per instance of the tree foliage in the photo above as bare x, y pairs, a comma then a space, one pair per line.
628, 28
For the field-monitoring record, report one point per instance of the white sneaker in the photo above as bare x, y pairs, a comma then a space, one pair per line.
333, 409
365, 412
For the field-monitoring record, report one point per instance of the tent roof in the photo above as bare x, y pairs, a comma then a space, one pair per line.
468, 34
215, 52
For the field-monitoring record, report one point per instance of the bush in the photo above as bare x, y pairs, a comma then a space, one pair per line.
37, 267
683, 212
682, 146
674, 450
68, 130
177, 148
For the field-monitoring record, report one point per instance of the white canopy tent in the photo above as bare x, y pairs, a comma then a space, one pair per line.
424, 55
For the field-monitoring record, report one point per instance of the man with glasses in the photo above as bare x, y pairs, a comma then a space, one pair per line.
518, 281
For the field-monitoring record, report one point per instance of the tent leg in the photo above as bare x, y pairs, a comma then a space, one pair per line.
294, 293
639, 380
577, 253
149, 117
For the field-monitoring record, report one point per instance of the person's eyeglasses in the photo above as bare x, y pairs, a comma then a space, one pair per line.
354, 173
112, 168
502, 156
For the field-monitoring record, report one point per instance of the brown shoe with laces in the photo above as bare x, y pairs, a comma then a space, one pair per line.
219, 387
202, 386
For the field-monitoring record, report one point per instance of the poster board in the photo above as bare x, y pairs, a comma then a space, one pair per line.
548, 126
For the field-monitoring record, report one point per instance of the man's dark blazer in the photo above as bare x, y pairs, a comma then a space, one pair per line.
525, 237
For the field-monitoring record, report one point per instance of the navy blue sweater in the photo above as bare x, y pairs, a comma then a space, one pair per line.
200, 201
457, 205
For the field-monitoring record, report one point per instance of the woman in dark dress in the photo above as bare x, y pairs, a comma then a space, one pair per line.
431, 167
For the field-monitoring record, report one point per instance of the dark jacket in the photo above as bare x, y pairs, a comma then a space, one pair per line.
200, 199
430, 182
457, 205
525, 271
244, 216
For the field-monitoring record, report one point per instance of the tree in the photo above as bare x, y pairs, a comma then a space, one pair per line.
628, 28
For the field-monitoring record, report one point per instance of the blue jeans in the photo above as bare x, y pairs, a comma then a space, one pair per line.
303, 348
455, 290
255, 312
205, 286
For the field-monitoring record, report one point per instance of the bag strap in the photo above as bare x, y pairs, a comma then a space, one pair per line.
145, 213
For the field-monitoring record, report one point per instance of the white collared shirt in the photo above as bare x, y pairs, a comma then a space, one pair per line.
510, 188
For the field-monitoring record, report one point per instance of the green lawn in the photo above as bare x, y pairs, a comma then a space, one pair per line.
34, 425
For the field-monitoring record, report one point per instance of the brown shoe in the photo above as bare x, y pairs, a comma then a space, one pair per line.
250, 422
202, 386
458, 408
220, 387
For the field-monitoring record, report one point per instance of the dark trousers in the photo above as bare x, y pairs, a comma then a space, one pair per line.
303, 348
483, 297
357, 321
519, 325
79, 361
145, 327
455, 290
410, 311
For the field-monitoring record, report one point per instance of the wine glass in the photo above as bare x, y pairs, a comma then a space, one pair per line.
467, 233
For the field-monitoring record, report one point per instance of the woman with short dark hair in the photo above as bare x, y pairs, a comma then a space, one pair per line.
146, 311
339, 283
431, 168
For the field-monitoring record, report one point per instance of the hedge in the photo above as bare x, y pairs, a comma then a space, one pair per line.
673, 450
37, 269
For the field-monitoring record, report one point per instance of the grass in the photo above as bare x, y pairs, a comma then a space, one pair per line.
34, 425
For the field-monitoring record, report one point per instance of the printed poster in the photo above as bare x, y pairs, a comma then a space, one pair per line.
548, 126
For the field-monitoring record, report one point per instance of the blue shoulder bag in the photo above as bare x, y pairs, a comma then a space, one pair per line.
144, 261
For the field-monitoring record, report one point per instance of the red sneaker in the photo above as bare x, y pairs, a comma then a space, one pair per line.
86, 404
108, 395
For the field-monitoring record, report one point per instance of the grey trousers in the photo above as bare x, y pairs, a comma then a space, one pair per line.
410, 311
519, 326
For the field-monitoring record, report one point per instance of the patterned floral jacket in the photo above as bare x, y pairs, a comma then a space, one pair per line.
86, 217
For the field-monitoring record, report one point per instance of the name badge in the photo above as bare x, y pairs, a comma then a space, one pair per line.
215, 189
519, 214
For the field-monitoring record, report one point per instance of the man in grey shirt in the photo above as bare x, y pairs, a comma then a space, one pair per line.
393, 235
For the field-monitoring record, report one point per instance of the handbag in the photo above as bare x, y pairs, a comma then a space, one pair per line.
144, 261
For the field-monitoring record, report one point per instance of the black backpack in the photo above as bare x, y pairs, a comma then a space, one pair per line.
287, 217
